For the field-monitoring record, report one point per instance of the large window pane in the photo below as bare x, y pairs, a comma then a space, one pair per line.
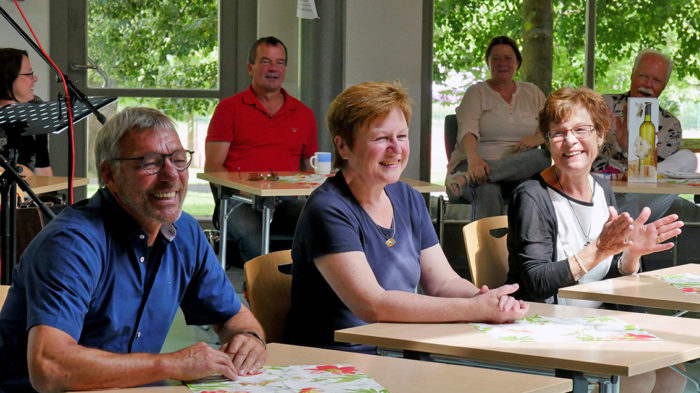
625, 28
192, 130
154, 44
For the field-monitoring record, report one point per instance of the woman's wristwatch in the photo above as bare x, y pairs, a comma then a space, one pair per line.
256, 335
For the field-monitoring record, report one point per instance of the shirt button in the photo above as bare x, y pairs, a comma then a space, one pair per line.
141, 259
142, 237
138, 334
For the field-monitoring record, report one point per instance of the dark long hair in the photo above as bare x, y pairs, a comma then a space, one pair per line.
10, 65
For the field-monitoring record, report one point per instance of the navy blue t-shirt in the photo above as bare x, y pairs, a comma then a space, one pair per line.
334, 222
91, 274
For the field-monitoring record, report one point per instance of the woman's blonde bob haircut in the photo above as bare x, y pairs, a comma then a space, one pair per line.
358, 106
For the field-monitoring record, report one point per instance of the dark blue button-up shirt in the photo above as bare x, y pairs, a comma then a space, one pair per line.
91, 274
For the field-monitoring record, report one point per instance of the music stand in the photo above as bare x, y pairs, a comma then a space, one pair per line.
29, 119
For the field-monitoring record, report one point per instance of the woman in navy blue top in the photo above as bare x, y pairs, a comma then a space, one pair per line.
365, 242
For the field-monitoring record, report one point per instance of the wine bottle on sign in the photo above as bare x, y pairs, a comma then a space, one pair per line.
647, 131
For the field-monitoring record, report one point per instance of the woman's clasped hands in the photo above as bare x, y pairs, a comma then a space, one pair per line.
498, 306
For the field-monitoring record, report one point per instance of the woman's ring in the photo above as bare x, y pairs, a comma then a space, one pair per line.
658, 239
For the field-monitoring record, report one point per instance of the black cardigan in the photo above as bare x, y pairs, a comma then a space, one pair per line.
532, 234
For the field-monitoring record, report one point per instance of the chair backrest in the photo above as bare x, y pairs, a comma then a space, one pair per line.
3, 293
487, 251
450, 134
269, 292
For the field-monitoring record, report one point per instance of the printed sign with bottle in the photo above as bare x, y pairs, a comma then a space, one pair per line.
642, 127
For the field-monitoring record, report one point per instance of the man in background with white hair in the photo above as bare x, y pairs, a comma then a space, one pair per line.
651, 72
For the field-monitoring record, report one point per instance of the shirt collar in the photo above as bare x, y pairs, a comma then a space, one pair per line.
122, 222
249, 98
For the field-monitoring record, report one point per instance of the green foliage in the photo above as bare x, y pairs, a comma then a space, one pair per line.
464, 27
156, 44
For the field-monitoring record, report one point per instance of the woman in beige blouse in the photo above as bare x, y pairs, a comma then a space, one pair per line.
497, 138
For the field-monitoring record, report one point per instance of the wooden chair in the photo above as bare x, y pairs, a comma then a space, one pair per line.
269, 292
487, 252
3, 293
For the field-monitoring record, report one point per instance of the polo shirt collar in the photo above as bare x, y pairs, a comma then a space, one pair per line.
122, 222
249, 98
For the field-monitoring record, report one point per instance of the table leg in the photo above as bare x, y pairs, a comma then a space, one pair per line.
266, 218
223, 231
580, 382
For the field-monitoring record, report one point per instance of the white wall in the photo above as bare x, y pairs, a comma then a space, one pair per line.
383, 43
37, 13
279, 18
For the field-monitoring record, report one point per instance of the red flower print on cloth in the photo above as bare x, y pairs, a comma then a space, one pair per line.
349, 370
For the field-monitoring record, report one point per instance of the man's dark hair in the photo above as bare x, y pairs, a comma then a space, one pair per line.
10, 65
265, 40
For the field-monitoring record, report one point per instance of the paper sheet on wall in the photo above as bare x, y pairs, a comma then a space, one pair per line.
539, 329
306, 9
686, 282
308, 179
341, 378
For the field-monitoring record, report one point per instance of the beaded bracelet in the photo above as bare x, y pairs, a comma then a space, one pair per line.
578, 261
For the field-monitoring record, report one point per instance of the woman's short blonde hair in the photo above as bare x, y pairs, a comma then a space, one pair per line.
358, 106
561, 105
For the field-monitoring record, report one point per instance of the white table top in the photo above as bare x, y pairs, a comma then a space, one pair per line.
680, 343
644, 289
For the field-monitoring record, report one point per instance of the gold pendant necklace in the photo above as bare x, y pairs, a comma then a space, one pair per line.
390, 242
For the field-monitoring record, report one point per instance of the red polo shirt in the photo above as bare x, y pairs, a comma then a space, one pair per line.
260, 142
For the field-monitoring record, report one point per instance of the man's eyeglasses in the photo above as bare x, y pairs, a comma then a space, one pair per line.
29, 74
152, 163
579, 132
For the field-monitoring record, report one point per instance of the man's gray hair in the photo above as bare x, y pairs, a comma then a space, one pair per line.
137, 119
647, 51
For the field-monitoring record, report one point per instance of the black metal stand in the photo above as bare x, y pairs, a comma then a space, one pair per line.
8, 199
73, 94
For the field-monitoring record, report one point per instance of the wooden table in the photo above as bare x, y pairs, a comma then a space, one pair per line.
660, 187
42, 184
680, 343
262, 193
644, 289
399, 375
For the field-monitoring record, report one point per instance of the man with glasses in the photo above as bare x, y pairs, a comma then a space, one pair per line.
95, 293
651, 72
261, 129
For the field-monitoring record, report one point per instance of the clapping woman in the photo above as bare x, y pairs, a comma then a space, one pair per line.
563, 227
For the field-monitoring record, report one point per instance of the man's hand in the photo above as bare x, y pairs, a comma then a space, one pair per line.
246, 352
199, 361
620, 127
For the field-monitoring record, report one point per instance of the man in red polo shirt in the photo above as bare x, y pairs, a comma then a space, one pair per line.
260, 129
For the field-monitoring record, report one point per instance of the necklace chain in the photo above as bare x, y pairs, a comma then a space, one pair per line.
390, 241
590, 224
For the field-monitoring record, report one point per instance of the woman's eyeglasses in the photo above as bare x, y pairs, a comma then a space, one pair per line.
29, 74
580, 132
